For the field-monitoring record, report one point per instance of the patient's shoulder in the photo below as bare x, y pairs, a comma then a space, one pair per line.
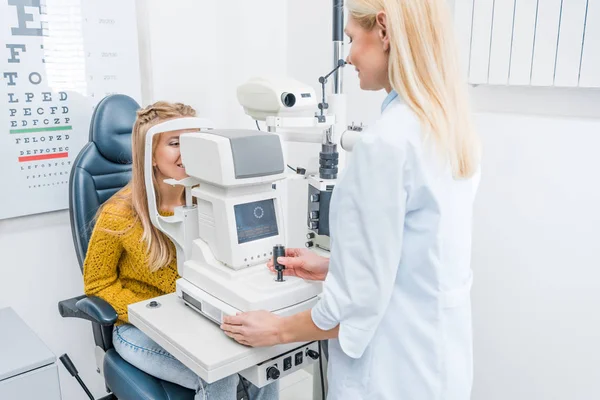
117, 213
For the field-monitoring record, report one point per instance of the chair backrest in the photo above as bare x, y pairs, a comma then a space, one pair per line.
102, 167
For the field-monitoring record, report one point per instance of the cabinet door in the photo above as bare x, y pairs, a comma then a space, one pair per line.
41, 383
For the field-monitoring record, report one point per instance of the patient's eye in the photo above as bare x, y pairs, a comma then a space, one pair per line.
174, 143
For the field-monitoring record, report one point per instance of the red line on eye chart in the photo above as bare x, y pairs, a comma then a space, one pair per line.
43, 157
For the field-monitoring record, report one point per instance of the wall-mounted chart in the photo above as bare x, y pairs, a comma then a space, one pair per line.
58, 59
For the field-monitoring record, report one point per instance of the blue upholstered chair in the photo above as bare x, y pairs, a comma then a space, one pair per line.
101, 169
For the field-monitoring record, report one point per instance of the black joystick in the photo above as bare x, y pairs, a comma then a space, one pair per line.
273, 373
312, 354
278, 251
73, 371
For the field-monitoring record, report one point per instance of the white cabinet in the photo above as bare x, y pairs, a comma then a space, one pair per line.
27, 367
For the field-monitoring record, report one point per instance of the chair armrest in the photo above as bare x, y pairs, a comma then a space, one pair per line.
99, 309
91, 308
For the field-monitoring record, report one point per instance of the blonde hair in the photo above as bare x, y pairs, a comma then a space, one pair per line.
424, 70
132, 197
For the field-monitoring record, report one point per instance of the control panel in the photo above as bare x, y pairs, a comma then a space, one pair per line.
319, 198
271, 370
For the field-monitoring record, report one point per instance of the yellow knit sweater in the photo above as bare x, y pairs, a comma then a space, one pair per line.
116, 264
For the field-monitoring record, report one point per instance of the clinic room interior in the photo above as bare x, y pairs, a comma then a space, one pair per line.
300, 200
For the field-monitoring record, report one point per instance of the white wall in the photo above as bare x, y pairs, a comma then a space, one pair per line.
535, 244
200, 52
38, 268
535, 259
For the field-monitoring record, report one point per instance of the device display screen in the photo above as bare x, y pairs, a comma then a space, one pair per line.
256, 220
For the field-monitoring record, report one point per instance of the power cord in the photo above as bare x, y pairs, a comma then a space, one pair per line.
257, 125
321, 371
203, 392
299, 170
244, 382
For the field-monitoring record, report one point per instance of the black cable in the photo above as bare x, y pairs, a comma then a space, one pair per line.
321, 370
299, 170
257, 125
243, 382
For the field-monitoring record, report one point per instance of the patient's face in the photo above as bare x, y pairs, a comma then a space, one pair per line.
167, 157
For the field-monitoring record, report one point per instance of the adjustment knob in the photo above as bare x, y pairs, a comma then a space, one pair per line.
273, 373
312, 354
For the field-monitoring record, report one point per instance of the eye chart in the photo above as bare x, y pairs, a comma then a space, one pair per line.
58, 59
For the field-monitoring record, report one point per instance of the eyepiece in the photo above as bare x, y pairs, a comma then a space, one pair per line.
288, 99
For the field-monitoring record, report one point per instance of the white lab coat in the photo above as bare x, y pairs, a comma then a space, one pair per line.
399, 277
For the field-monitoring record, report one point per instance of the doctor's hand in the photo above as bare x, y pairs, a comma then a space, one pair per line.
253, 328
303, 263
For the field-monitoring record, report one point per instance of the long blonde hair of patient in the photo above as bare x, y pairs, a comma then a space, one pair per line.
159, 248
424, 70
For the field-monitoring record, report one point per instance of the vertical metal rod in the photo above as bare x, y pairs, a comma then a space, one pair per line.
338, 44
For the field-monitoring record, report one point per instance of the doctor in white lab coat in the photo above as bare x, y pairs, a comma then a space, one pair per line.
396, 298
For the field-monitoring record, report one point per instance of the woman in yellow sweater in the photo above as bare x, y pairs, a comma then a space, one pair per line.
129, 260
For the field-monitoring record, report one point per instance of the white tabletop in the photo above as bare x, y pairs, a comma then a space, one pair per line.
197, 342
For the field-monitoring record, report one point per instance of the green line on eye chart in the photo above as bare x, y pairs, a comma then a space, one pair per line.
50, 129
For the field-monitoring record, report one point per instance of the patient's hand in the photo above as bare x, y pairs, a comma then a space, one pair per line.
303, 263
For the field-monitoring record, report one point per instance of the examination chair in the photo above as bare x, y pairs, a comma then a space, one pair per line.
101, 169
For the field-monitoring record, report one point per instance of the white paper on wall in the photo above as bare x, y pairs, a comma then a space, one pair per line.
60, 58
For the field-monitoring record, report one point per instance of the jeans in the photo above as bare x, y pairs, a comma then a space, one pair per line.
145, 354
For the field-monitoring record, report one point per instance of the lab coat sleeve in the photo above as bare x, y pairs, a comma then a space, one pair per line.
366, 244
100, 268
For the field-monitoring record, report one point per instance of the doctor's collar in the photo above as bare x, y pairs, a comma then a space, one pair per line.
390, 97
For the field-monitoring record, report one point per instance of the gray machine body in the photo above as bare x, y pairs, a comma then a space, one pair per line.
254, 153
